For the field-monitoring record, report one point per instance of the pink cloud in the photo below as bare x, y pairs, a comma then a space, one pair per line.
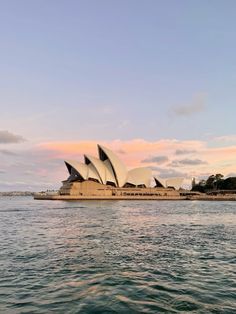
133, 152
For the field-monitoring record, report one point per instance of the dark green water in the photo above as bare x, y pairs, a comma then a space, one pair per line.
117, 257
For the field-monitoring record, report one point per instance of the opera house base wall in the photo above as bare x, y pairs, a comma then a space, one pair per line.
90, 190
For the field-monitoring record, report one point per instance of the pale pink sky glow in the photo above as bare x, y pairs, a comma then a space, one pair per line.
196, 157
41, 164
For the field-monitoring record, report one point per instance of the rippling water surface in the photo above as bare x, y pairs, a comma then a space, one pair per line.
117, 256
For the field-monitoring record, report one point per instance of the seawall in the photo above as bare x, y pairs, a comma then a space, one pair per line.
44, 196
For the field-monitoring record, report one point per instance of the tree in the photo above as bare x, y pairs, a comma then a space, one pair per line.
218, 180
213, 182
219, 176
227, 184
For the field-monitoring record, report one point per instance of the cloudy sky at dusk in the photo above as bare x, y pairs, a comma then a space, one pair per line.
153, 80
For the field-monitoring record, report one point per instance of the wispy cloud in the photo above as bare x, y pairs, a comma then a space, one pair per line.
156, 159
123, 124
7, 137
168, 173
226, 138
184, 151
121, 151
188, 162
7, 152
197, 105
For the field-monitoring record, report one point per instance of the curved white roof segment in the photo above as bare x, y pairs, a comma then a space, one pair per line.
109, 173
92, 173
82, 169
174, 182
98, 166
119, 169
139, 176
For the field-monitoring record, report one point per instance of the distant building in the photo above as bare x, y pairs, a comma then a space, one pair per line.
193, 183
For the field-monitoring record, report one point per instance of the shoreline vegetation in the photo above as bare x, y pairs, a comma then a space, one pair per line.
215, 183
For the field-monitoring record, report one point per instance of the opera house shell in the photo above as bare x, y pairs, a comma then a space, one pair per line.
108, 169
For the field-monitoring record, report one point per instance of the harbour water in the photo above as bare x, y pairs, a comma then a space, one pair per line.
117, 256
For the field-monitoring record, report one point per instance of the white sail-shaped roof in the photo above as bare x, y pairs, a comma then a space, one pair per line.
118, 168
110, 178
139, 176
83, 171
174, 182
98, 167
81, 168
92, 173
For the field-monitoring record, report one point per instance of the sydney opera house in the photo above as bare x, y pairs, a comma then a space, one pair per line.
106, 177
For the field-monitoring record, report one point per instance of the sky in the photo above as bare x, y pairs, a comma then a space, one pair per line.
154, 80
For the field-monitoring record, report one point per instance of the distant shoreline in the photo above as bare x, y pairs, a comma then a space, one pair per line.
45, 196
17, 193
202, 197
